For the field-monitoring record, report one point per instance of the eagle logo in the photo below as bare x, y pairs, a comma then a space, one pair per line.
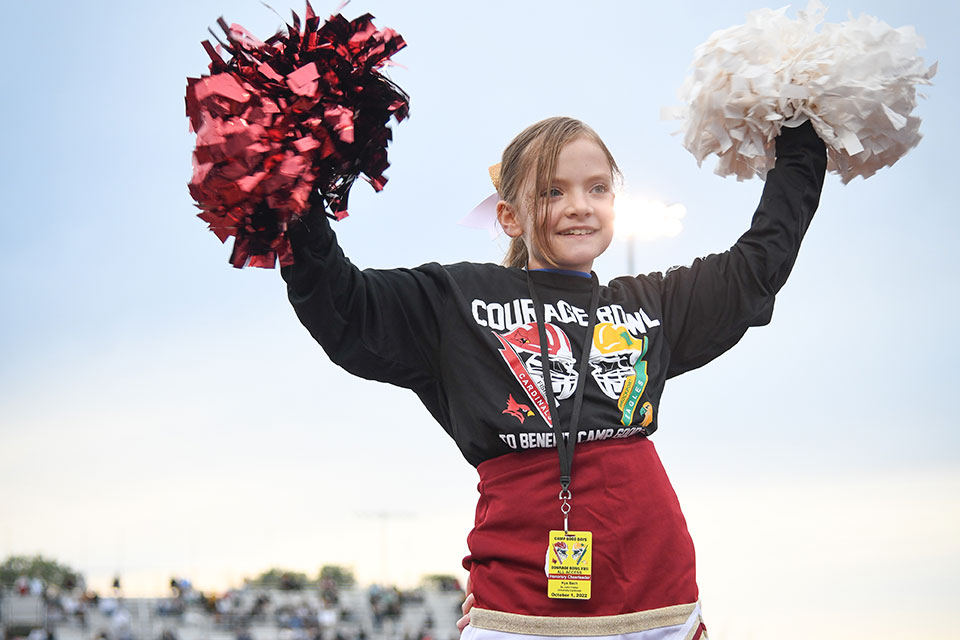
517, 410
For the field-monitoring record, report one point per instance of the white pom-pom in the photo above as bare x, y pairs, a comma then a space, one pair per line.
856, 81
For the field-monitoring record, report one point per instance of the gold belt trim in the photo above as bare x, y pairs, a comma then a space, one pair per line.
580, 626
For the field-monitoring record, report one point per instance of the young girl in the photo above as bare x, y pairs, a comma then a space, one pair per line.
549, 382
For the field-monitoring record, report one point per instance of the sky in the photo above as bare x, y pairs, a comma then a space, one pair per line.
162, 413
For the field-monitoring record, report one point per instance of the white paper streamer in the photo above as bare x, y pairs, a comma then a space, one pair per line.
856, 81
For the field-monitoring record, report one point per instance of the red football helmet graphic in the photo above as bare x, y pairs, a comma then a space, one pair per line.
560, 549
563, 372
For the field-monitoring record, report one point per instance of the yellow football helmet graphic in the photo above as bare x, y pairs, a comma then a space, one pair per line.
613, 357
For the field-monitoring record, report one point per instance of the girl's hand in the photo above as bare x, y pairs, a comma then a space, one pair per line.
465, 607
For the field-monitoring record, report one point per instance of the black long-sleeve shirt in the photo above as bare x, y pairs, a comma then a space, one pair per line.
464, 338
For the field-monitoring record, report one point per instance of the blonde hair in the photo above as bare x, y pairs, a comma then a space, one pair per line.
538, 147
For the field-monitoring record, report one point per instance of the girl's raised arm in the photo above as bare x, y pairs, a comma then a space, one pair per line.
709, 305
378, 324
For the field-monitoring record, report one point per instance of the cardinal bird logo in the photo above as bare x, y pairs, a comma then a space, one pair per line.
517, 410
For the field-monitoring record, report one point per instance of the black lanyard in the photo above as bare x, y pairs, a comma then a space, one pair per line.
565, 446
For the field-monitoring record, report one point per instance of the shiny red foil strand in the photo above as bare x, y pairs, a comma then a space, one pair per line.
283, 121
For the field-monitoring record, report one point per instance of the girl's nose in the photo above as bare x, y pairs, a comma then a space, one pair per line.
578, 204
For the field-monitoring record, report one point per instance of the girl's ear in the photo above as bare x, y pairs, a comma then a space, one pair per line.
509, 219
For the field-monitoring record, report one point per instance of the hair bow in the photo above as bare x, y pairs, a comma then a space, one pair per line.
484, 215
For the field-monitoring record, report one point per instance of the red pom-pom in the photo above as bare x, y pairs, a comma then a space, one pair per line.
304, 112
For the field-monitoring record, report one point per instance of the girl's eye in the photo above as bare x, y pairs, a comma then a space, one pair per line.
601, 188
552, 192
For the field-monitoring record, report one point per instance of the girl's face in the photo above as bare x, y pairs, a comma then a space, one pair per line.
579, 213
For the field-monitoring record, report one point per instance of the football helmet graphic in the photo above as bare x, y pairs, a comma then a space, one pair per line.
525, 340
612, 357
560, 549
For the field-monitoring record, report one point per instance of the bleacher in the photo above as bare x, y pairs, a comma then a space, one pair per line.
289, 615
